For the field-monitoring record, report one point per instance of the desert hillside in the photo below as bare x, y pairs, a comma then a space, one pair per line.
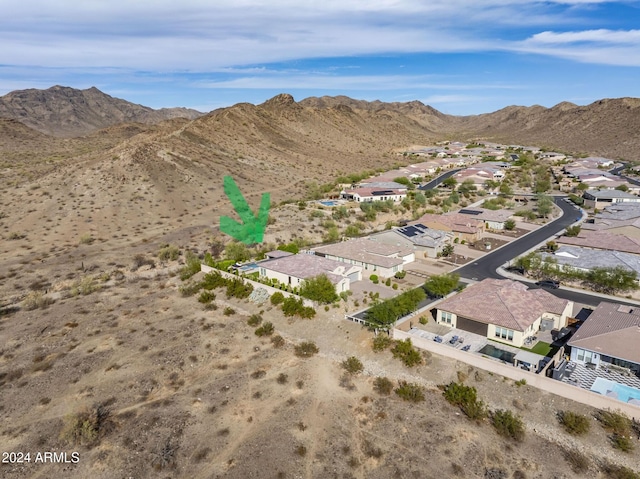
68, 112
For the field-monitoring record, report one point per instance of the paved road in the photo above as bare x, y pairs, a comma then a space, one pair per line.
485, 267
435, 182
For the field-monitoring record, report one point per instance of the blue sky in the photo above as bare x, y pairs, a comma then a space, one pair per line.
459, 56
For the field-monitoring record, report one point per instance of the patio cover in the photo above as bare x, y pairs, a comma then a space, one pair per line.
532, 359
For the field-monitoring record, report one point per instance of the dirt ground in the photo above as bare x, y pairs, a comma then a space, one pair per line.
195, 393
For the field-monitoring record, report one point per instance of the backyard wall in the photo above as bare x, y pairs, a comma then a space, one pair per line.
536, 380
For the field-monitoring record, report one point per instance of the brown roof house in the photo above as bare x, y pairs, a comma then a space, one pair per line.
293, 269
602, 240
503, 310
609, 336
463, 227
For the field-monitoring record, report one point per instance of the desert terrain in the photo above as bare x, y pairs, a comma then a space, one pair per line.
180, 389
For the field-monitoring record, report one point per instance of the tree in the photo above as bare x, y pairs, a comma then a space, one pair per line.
467, 187
545, 205
450, 182
447, 250
572, 230
402, 180
388, 312
320, 289
332, 235
611, 280
505, 189
622, 187
582, 187
420, 199
237, 251
441, 285
491, 184
509, 225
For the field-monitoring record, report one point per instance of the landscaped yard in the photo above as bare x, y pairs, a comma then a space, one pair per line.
542, 348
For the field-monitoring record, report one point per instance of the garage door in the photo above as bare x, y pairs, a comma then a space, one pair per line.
472, 326
353, 276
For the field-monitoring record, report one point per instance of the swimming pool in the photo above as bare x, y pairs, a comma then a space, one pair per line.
491, 350
618, 391
328, 203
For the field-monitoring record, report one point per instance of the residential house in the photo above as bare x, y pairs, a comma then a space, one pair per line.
294, 269
584, 259
602, 198
365, 195
609, 336
493, 219
595, 239
462, 226
375, 257
503, 310
617, 218
418, 237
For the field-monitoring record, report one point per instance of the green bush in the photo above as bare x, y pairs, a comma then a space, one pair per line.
236, 288
410, 391
168, 253
388, 282
352, 365
228, 311
189, 289
574, 423
508, 424
306, 349
400, 274
254, 320
213, 280
266, 329
405, 351
191, 267
206, 297
382, 385
381, 342
466, 398
277, 298
374, 278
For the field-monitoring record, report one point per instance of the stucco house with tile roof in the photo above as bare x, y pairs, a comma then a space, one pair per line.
294, 269
463, 227
585, 259
602, 240
375, 257
418, 237
609, 336
603, 198
363, 195
503, 310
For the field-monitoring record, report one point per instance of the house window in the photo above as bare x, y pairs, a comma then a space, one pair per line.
504, 333
446, 317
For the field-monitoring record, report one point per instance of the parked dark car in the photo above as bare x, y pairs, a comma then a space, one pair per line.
548, 283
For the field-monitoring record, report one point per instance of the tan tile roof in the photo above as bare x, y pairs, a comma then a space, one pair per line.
612, 330
602, 240
504, 303
367, 250
305, 266
457, 222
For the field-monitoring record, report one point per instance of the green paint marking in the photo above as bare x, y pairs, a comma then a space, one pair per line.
251, 230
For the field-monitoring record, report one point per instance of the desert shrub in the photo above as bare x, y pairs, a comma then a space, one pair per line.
292, 306
189, 289
400, 274
405, 351
191, 267
614, 471
260, 373
382, 385
213, 280
277, 341
140, 260
410, 391
614, 422
168, 253
282, 378
388, 282
578, 461
85, 286
254, 320
352, 365
347, 382
228, 311
623, 443
574, 423
36, 300
374, 278
466, 398
88, 426
266, 329
86, 239
306, 349
508, 424
520, 382
236, 288
381, 342
206, 297
277, 298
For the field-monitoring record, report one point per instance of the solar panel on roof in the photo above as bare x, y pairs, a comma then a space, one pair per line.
382, 192
470, 212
